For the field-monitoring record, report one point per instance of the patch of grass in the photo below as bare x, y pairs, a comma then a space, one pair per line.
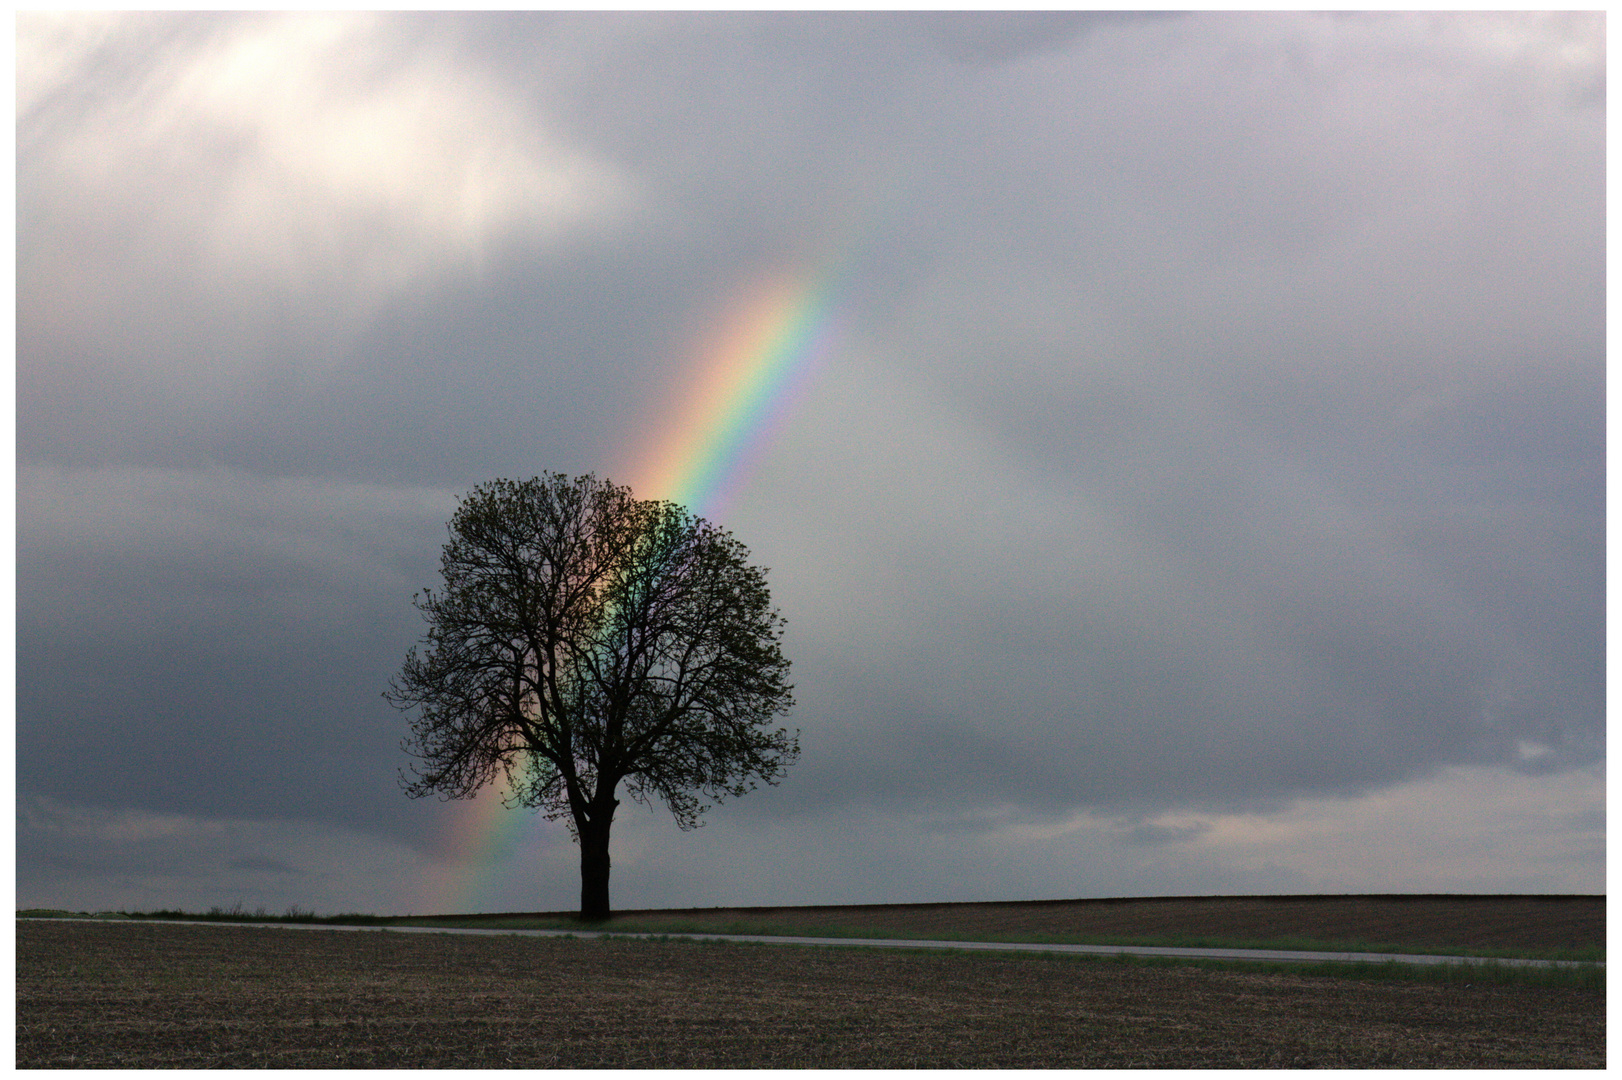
238, 914
58, 913
1587, 954
1585, 974
1465, 972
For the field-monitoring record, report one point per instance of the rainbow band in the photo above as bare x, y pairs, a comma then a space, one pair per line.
751, 375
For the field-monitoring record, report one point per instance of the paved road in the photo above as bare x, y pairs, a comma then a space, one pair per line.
1276, 955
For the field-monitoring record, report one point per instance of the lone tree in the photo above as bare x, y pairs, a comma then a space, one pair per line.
584, 638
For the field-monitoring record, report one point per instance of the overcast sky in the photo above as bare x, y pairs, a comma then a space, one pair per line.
1204, 492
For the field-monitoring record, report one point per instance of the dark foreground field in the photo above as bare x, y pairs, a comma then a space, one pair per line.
131, 995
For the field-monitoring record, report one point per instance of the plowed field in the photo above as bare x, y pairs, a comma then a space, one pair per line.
136, 995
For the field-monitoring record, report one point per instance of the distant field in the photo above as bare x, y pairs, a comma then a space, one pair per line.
94, 994
1540, 926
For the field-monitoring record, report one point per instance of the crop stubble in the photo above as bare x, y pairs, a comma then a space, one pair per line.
98, 995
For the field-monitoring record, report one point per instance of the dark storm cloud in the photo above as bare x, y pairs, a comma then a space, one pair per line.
1218, 421
212, 644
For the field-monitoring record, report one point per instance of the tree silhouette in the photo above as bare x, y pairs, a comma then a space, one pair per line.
583, 638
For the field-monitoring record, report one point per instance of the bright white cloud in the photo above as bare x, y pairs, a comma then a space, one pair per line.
279, 159
53, 48
1560, 45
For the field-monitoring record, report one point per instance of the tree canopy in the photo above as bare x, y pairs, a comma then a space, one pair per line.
583, 638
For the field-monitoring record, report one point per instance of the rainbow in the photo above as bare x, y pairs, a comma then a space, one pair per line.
750, 374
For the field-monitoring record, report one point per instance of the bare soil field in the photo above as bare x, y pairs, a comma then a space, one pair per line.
1524, 925
142, 995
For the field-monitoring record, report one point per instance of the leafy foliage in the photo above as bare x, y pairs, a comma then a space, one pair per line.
583, 638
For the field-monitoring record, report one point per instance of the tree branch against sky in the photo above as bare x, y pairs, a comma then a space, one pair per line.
583, 638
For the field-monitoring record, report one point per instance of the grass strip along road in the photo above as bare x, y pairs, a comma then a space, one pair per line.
1278, 956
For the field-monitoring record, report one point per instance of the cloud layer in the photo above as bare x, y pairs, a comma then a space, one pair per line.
1216, 436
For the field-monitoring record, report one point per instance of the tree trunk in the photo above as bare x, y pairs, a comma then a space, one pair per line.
594, 863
